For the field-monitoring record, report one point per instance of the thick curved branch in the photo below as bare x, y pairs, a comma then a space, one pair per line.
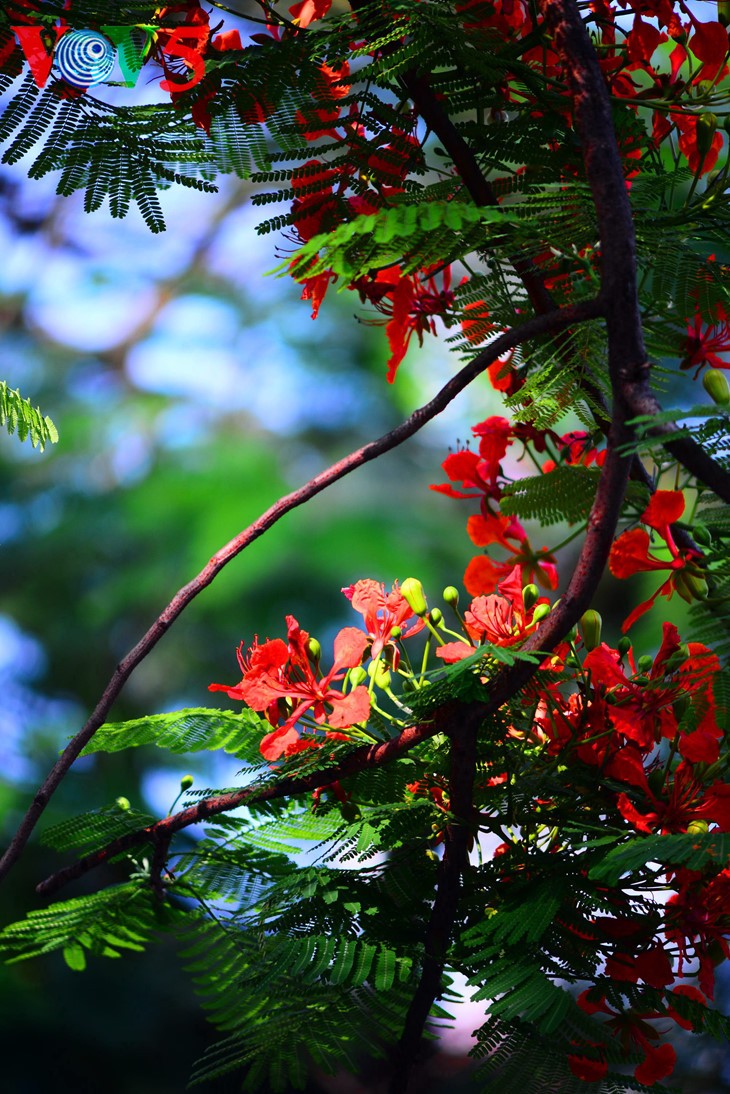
532, 328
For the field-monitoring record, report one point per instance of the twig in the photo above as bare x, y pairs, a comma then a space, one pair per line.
685, 451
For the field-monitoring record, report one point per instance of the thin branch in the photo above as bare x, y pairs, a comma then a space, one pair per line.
452, 868
684, 450
531, 328
160, 833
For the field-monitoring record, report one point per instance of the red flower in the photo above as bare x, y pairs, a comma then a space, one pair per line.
483, 574
500, 620
277, 670
683, 800
634, 1032
382, 612
630, 552
644, 711
308, 10
698, 916
709, 44
479, 472
411, 302
700, 349
698, 162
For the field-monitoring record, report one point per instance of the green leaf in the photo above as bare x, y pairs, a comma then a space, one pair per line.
18, 415
197, 729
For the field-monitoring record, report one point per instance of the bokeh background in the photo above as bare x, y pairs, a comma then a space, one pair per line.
190, 391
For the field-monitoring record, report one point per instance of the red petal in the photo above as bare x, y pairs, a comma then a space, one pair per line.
630, 554
350, 646
665, 507
350, 709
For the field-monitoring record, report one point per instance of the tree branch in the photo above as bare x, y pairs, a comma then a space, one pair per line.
452, 868
685, 451
163, 830
531, 328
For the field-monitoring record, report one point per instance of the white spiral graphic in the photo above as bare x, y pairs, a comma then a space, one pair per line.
84, 58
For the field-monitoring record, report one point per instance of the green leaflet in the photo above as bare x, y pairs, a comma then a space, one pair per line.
197, 729
433, 231
691, 851
564, 494
19, 416
123, 917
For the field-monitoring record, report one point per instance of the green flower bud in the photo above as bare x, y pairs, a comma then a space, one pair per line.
678, 658
702, 534
590, 629
451, 595
697, 827
642, 680
540, 612
530, 596
436, 616
358, 676
715, 384
645, 662
414, 596
380, 673
396, 632
186, 782
314, 650
624, 645
706, 126
691, 585
123, 804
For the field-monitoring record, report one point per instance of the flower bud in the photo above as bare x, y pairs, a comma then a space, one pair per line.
186, 782
396, 632
451, 595
624, 645
314, 650
436, 616
697, 827
380, 673
358, 676
641, 680
715, 384
706, 126
691, 585
412, 593
644, 663
123, 804
530, 596
590, 629
702, 534
540, 612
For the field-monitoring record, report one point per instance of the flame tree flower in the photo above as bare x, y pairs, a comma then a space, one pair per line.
630, 554
277, 670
